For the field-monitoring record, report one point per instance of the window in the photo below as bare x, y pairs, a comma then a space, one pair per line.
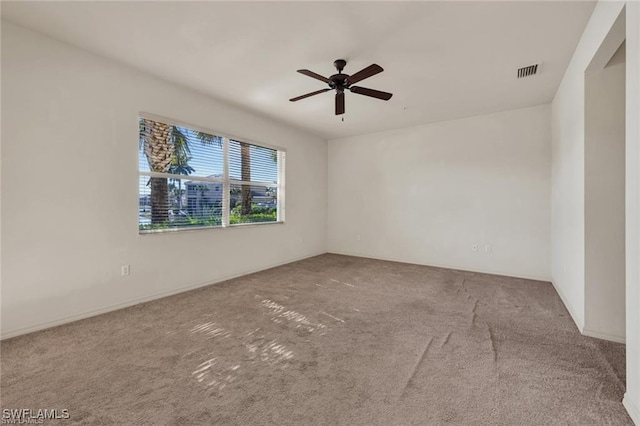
193, 179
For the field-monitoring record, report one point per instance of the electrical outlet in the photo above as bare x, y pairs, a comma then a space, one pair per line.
474, 247
125, 270
487, 249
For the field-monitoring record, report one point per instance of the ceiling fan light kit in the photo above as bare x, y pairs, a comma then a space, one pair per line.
341, 82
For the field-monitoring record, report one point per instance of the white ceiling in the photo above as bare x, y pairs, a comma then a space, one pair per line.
442, 60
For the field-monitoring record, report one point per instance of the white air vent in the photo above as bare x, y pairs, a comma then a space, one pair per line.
528, 71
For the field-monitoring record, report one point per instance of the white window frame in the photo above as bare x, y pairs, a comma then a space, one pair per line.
225, 180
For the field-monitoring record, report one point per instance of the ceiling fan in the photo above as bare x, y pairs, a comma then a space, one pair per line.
341, 82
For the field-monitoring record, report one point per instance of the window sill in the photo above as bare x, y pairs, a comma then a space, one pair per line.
203, 228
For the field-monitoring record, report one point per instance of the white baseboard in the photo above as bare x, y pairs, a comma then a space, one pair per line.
457, 268
575, 318
604, 336
632, 409
87, 314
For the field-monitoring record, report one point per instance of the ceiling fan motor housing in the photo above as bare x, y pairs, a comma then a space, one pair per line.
339, 81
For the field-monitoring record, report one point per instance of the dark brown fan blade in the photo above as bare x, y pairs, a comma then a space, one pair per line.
314, 75
317, 92
339, 103
369, 71
370, 92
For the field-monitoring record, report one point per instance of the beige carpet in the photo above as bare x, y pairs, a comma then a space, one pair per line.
328, 340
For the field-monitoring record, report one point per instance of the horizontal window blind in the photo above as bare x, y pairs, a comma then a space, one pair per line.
253, 175
191, 179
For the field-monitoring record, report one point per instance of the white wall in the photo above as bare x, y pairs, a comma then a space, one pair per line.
567, 170
605, 199
632, 169
568, 196
69, 188
426, 194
